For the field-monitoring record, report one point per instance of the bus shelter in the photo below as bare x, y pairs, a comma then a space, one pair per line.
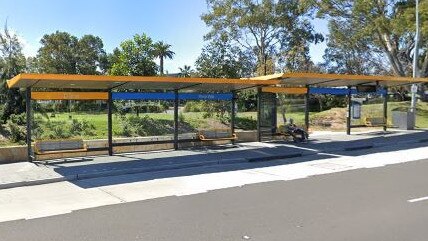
110, 88
332, 84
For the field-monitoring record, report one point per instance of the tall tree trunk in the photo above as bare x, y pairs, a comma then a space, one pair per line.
391, 53
424, 69
161, 65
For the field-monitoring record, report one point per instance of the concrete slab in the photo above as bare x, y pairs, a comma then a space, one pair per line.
322, 145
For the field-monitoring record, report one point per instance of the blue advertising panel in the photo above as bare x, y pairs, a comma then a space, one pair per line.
199, 96
142, 96
170, 96
329, 91
339, 91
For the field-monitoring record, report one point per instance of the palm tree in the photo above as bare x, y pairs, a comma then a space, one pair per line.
162, 50
186, 71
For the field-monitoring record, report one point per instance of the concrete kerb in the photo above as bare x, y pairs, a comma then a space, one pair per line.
187, 165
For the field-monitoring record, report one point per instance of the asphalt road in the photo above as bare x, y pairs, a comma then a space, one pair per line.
364, 204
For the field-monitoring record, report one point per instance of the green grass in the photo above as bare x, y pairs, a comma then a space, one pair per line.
194, 119
197, 120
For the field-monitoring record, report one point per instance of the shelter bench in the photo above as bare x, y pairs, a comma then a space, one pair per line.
47, 147
375, 121
216, 135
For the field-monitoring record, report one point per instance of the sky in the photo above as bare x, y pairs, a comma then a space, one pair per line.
175, 22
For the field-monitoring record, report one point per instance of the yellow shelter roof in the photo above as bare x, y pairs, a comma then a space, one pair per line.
338, 80
103, 82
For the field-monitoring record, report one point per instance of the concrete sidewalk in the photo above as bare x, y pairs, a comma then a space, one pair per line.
327, 143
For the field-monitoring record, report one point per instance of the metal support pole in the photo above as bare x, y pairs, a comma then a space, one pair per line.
274, 114
176, 119
110, 123
307, 109
385, 108
232, 114
415, 61
348, 119
259, 101
28, 115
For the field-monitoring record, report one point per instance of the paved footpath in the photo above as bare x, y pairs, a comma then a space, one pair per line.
380, 204
322, 145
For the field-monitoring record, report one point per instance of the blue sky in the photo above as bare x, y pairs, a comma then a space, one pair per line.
175, 22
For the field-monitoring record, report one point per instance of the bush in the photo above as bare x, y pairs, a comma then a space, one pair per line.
83, 127
194, 106
145, 126
245, 123
17, 133
16, 128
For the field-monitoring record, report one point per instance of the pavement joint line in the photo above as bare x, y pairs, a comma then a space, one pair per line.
418, 199
112, 195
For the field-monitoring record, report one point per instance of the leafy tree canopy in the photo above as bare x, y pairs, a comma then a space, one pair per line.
220, 59
64, 53
386, 26
134, 57
12, 63
266, 28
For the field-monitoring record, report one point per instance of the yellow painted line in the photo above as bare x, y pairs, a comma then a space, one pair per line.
285, 90
69, 95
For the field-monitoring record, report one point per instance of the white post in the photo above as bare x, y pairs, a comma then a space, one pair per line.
415, 60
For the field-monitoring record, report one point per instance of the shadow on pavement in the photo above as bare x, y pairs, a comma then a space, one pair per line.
207, 160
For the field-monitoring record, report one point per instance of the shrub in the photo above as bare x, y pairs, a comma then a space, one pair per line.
17, 133
194, 106
145, 126
16, 128
245, 123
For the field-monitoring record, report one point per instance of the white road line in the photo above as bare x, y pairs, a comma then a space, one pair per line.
418, 199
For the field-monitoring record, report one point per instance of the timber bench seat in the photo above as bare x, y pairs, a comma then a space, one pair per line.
48, 147
216, 135
375, 121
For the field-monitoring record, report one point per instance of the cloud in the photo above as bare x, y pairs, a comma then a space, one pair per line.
28, 48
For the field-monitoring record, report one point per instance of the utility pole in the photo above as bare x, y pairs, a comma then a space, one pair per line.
415, 61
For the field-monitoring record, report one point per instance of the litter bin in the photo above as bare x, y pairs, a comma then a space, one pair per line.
403, 120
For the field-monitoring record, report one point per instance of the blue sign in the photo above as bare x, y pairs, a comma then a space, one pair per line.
329, 91
142, 96
199, 96
170, 96
339, 91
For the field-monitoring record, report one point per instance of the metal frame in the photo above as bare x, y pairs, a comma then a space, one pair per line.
110, 123
233, 114
29, 120
176, 123
348, 117
259, 101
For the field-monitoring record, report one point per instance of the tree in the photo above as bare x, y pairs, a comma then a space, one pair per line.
12, 63
63, 53
263, 27
220, 59
383, 25
186, 71
348, 54
134, 57
162, 50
